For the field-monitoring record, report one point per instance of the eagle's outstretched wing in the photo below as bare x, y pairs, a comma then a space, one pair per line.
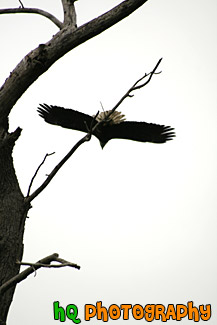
139, 131
108, 129
67, 118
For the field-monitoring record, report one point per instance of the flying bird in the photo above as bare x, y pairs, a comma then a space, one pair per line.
111, 127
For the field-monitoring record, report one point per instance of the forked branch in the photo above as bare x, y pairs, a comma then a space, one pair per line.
44, 262
135, 86
62, 263
29, 198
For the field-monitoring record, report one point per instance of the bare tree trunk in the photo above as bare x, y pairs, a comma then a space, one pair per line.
12, 219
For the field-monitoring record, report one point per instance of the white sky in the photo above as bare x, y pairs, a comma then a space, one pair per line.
139, 218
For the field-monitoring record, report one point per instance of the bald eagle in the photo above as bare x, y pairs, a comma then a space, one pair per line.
112, 127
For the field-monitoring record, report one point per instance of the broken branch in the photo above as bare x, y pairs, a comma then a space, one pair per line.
62, 262
44, 262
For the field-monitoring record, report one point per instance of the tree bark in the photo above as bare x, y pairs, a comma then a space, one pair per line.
12, 218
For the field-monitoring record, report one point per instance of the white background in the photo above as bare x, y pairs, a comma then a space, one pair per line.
139, 218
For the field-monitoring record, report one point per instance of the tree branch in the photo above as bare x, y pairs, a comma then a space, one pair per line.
45, 262
39, 60
128, 93
86, 138
28, 199
9, 139
136, 86
36, 172
62, 262
69, 13
41, 12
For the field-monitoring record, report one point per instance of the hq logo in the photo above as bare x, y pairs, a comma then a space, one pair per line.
148, 312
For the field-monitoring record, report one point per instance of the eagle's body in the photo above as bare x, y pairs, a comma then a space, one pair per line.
111, 127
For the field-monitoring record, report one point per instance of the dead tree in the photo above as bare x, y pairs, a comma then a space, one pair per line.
13, 205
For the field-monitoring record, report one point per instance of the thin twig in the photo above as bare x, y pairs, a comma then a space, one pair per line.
44, 262
135, 87
128, 93
28, 199
102, 107
36, 172
41, 12
22, 6
92, 122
